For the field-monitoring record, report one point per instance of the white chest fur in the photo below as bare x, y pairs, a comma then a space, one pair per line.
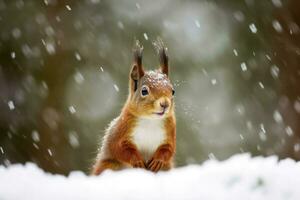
148, 135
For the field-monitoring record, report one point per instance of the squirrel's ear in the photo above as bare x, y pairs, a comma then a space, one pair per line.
163, 57
134, 73
137, 70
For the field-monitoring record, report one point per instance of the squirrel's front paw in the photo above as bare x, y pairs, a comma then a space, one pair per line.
139, 164
155, 165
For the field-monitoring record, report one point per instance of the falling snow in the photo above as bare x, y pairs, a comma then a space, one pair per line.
138, 6
297, 147
50, 47
235, 52
36, 146
211, 156
261, 85
277, 116
253, 28
268, 57
120, 25
274, 71
243, 66
49, 31
277, 3
239, 16
277, 26
116, 88
289, 131
72, 109
145, 36
297, 106
11, 105
13, 55
35, 136
77, 56
16, 33
197, 23
213, 81
78, 77
68, 7
262, 136
73, 140
50, 152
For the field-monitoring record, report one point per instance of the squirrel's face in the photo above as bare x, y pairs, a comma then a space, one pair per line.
151, 92
153, 97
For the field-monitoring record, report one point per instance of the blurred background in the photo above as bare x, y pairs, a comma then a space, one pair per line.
64, 68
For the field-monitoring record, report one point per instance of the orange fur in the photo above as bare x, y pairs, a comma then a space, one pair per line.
118, 148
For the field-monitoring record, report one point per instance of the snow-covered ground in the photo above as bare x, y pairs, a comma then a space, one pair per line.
240, 177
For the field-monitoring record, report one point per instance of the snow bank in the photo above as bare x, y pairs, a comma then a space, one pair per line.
240, 177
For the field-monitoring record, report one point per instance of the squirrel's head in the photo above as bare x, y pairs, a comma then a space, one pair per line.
151, 92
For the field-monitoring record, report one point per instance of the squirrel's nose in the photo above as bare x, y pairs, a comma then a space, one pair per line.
164, 104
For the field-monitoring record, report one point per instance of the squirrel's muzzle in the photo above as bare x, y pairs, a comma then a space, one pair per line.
163, 103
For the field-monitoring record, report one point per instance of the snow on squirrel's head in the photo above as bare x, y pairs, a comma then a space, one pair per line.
150, 92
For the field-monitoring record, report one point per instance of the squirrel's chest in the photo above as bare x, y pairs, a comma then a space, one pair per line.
148, 135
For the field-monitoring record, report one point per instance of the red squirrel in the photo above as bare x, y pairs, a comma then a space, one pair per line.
144, 134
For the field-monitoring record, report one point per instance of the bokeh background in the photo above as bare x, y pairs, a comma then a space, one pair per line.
64, 68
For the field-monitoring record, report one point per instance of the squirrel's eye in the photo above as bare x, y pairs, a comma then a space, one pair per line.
144, 91
173, 92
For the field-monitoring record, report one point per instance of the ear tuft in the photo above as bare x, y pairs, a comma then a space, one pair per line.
137, 70
162, 53
137, 52
137, 58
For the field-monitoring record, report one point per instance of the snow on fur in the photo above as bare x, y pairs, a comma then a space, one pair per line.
240, 177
